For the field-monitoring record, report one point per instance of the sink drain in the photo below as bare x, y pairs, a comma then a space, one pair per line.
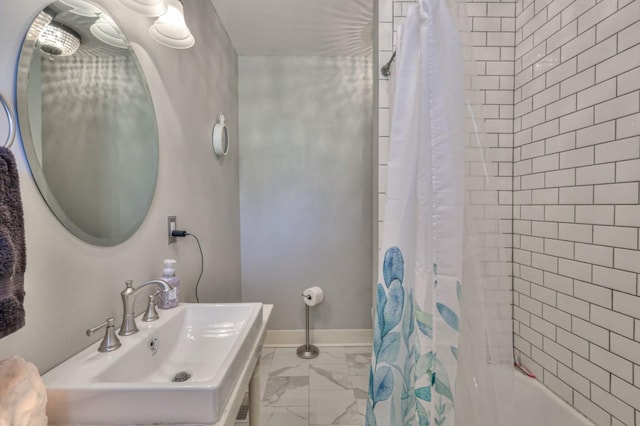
182, 376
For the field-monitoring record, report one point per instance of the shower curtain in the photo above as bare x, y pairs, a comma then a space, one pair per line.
434, 318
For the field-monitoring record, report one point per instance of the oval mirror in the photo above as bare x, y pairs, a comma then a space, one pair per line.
87, 122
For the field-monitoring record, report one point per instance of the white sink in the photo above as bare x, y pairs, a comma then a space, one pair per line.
134, 384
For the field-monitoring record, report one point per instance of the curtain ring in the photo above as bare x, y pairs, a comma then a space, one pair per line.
12, 124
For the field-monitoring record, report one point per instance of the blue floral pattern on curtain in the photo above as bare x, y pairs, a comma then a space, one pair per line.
426, 393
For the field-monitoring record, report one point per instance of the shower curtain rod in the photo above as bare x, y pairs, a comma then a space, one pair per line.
386, 68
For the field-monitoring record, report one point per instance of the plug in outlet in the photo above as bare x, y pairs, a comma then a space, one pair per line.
171, 226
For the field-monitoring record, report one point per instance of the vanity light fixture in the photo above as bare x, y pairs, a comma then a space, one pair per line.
170, 29
82, 8
105, 30
59, 40
146, 7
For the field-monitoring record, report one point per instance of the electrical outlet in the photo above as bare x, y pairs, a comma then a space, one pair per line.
171, 226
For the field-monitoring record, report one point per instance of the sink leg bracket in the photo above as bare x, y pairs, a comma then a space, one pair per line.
254, 396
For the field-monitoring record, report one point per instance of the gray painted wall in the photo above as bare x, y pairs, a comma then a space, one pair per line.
306, 187
102, 97
98, 173
71, 285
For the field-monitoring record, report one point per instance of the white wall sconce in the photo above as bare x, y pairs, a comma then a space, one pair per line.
146, 7
220, 137
170, 29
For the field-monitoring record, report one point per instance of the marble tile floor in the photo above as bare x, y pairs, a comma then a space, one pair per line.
328, 390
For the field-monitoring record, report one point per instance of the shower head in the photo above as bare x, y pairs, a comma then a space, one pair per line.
386, 68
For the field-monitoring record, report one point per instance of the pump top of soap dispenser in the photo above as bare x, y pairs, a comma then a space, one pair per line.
169, 268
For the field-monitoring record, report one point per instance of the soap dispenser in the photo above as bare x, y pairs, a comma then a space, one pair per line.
170, 299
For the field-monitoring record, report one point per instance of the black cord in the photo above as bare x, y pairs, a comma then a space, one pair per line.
201, 265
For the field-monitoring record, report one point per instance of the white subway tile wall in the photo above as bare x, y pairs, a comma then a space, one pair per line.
568, 73
576, 258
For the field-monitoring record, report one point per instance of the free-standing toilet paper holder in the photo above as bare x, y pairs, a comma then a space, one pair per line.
307, 351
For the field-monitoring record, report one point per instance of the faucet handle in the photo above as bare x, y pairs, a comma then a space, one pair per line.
128, 283
108, 322
110, 342
151, 314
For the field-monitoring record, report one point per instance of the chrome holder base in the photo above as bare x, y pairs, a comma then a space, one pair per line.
308, 352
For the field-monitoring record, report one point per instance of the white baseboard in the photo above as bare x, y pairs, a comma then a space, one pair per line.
293, 338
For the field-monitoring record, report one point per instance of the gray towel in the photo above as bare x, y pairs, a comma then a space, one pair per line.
13, 259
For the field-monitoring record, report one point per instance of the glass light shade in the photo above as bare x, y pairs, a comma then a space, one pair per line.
146, 7
58, 40
170, 29
82, 8
105, 30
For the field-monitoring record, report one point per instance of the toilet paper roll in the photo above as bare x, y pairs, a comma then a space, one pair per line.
313, 296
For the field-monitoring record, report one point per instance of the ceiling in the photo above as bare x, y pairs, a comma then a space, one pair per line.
298, 27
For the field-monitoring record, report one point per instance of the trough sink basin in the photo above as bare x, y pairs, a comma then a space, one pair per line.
206, 344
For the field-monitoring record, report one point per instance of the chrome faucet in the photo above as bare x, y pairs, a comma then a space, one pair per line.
129, 294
